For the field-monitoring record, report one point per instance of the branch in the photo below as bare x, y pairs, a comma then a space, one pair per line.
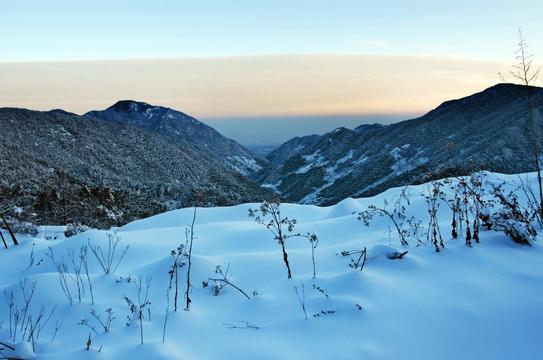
234, 286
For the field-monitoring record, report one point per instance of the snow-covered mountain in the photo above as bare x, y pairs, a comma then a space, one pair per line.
58, 167
490, 128
184, 130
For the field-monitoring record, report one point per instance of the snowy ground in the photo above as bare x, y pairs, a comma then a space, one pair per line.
483, 302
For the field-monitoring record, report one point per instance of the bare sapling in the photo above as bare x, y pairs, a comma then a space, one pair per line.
189, 233
527, 76
269, 215
532, 204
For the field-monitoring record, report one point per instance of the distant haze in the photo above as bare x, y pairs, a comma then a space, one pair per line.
262, 131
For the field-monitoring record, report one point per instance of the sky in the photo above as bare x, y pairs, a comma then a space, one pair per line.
251, 62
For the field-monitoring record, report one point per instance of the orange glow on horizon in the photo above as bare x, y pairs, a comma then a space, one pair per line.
251, 86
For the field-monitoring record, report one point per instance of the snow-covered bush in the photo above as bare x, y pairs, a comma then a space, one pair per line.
74, 229
25, 228
511, 218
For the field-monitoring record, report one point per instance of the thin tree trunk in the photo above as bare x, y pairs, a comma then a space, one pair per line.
9, 229
285, 258
536, 151
189, 257
3, 240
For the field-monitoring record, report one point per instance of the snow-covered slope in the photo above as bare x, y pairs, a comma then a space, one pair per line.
59, 167
480, 302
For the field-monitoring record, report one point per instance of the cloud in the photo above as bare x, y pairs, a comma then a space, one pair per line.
243, 86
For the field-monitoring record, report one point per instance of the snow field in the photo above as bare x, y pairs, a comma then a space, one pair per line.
461, 303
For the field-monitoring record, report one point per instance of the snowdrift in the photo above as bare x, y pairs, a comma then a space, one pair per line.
462, 302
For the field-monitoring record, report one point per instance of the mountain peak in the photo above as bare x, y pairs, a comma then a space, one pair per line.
132, 106
184, 130
129, 106
496, 93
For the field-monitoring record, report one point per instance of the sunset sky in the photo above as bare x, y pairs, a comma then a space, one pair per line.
239, 65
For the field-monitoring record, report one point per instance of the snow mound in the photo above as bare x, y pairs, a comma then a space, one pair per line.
385, 251
346, 207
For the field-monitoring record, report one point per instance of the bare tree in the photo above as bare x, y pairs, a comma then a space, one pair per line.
527, 76
275, 224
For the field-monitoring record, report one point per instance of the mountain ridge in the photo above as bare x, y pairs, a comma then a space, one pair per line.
183, 130
490, 127
59, 168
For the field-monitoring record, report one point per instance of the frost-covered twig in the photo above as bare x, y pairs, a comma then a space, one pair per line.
62, 270
166, 316
248, 325
301, 299
199, 201
224, 280
107, 260
362, 257
142, 301
367, 215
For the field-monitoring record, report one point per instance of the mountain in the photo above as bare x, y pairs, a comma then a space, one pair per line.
58, 167
184, 130
490, 128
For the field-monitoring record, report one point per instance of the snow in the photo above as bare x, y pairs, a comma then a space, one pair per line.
242, 164
314, 160
21, 350
480, 302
